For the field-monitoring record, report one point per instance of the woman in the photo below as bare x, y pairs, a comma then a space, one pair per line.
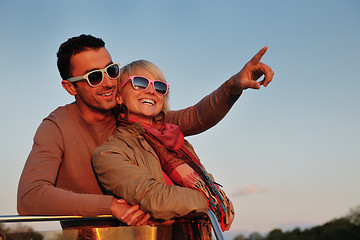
149, 163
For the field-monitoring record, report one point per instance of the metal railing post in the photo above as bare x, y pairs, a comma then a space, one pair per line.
216, 226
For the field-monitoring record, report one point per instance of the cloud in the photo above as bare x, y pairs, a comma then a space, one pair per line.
264, 190
245, 191
251, 189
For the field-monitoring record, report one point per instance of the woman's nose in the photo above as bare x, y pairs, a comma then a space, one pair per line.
151, 88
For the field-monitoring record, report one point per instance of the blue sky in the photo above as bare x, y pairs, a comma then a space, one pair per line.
287, 154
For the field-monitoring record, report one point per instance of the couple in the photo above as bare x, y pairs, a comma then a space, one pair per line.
58, 177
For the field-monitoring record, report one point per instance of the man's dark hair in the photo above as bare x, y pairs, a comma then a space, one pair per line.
73, 46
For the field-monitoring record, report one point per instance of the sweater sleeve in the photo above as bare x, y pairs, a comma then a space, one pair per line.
37, 194
205, 114
119, 172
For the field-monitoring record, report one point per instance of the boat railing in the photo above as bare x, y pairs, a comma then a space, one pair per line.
95, 233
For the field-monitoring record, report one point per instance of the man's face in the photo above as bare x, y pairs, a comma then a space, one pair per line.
93, 99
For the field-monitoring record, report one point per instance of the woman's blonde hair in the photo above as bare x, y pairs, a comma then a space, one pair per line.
138, 67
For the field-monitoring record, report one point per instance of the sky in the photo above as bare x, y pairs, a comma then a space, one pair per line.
287, 155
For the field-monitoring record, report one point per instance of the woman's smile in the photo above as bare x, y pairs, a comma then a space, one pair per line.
147, 101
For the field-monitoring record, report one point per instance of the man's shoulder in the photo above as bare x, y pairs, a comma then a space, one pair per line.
64, 117
64, 113
59, 121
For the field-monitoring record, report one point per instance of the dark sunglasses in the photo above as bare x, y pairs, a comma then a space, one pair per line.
141, 83
96, 77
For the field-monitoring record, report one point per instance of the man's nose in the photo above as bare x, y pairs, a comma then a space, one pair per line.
108, 82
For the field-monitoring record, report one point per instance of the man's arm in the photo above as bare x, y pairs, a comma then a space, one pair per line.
213, 107
38, 195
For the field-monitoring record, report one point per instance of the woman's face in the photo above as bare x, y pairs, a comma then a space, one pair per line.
142, 105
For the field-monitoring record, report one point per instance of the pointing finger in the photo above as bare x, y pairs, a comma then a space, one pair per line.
256, 59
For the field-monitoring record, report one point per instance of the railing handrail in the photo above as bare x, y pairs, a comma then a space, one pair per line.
17, 218
20, 218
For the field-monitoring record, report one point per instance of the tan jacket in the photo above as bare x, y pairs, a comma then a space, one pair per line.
128, 167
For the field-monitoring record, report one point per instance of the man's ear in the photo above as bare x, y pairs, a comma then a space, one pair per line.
69, 87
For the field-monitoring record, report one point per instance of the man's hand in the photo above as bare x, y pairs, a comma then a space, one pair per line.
248, 76
131, 215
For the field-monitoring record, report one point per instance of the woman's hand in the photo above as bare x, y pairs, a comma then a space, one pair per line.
248, 76
131, 215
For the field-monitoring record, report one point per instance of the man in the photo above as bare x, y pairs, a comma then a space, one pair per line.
58, 178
